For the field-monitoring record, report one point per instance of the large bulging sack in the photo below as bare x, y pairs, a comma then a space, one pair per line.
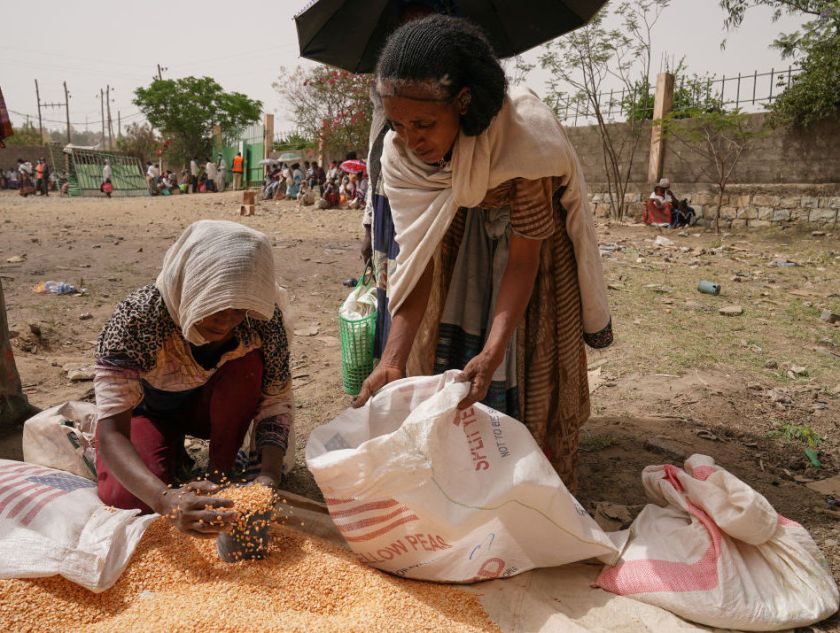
422, 490
52, 522
62, 437
713, 550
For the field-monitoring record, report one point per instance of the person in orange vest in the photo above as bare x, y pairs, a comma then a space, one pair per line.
237, 171
40, 183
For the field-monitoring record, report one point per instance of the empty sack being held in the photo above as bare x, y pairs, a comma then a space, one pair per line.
423, 490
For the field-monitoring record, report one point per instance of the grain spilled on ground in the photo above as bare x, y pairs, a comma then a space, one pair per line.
175, 582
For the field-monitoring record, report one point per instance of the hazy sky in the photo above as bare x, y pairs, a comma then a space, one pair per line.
91, 43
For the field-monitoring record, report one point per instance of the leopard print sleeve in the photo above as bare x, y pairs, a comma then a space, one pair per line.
137, 329
275, 417
275, 346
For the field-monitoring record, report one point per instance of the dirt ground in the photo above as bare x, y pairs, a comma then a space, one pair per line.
751, 390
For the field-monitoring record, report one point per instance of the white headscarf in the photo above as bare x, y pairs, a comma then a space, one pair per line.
524, 140
218, 265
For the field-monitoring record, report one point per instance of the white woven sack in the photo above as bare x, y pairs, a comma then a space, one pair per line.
713, 550
422, 490
52, 522
62, 437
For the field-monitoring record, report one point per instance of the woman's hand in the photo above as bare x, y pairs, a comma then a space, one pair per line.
379, 377
187, 507
479, 371
366, 247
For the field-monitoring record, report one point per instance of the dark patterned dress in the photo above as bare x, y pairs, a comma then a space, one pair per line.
543, 380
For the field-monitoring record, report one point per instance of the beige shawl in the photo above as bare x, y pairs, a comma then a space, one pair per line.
525, 140
215, 265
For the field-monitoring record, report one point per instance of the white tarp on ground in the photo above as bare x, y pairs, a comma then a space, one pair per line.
550, 600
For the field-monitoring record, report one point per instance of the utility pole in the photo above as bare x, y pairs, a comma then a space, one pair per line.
102, 117
40, 123
110, 129
67, 110
119, 126
160, 72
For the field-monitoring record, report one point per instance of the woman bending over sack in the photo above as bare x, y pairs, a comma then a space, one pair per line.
498, 271
203, 351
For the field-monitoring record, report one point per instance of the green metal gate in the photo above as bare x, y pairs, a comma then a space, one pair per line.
85, 177
252, 145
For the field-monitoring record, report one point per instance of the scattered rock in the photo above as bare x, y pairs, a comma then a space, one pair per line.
817, 233
312, 330
661, 240
81, 375
140, 250
731, 311
16, 259
771, 364
708, 435
35, 329
796, 371
13, 334
612, 516
829, 317
782, 263
85, 316
671, 450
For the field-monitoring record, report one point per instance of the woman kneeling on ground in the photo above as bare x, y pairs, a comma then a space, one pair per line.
203, 351
498, 271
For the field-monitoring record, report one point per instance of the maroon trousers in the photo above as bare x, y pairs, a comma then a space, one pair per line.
221, 412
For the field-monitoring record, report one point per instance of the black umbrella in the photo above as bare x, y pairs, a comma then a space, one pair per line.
349, 34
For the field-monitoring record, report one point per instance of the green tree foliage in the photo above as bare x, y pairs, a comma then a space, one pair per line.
186, 109
293, 142
692, 93
79, 137
715, 141
140, 140
592, 55
329, 105
815, 93
27, 134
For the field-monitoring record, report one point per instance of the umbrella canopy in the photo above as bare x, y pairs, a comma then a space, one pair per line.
288, 157
349, 34
353, 166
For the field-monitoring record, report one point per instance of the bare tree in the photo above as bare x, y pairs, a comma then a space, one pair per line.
717, 138
14, 407
587, 60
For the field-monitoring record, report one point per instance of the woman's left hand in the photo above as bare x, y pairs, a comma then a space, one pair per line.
479, 371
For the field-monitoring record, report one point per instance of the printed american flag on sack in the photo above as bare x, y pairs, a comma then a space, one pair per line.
26, 489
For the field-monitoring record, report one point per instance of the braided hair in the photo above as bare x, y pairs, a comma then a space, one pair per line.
444, 54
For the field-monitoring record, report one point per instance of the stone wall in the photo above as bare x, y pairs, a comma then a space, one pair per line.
745, 205
10, 154
779, 155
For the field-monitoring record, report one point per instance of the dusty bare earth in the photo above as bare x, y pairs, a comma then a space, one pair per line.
750, 390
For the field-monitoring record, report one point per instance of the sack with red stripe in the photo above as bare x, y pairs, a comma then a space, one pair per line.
713, 550
422, 490
52, 522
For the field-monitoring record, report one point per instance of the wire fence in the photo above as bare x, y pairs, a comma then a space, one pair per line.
748, 93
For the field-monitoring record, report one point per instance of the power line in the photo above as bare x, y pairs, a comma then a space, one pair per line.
75, 123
